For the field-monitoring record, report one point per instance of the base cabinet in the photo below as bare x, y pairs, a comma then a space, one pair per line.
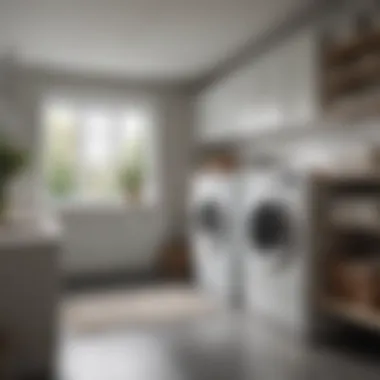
29, 285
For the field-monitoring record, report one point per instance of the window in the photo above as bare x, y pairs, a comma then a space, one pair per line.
97, 154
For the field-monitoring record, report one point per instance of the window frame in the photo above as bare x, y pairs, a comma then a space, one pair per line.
80, 101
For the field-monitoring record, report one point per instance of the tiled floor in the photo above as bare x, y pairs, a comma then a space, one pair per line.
214, 347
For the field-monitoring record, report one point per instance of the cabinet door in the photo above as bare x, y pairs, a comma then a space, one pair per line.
252, 98
230, 108
272, 118
273, 91
212, 113
245, 99
281, 84
299, 86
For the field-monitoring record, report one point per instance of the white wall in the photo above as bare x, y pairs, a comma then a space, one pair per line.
106, 239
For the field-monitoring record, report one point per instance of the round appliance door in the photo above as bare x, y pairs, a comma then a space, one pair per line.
210, 218
269, 230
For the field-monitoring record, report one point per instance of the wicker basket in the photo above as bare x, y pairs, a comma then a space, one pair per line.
356, 282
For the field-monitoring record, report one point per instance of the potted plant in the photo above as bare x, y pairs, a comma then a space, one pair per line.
12, 160
132, 173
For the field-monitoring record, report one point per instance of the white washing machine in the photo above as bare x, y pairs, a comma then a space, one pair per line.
213, 226
276, 247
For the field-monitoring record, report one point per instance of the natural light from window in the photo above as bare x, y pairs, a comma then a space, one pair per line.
98, 154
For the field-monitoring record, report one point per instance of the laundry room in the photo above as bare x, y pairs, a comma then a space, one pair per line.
189, 189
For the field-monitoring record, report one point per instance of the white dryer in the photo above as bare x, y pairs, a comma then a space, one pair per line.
212, 219
276, 247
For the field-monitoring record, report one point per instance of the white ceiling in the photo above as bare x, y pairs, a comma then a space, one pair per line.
154, 39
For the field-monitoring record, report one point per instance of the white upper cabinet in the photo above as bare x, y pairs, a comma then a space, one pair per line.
298, 89
221, 107
213, 116
274, 91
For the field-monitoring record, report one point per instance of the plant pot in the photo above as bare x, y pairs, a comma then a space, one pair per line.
3, 205
134, 196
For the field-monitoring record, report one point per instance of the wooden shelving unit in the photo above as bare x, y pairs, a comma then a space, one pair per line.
345, 53
354, 313
347, 226
350, 69
347, 249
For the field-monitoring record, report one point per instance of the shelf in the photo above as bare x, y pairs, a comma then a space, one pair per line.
353, 80
351, 312
354, 49
350, 77
358, 181
356, 226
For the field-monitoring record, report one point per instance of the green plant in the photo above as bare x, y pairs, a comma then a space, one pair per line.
12, 160
61, 179
132, 173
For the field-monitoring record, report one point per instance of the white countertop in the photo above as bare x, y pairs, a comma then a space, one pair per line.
23, 232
